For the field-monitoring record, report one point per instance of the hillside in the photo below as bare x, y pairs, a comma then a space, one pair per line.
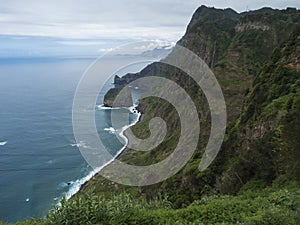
240, 49
255, 178
266, 135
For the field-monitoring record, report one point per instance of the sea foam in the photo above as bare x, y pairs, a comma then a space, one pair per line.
80, 144
102, 107
3, 143
111, 130
76, 185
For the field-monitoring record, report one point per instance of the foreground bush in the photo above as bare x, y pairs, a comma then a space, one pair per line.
268, 206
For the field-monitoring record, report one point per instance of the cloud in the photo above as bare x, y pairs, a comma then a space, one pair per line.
105, 49
81, 42
114, 19
154, 44
96, 19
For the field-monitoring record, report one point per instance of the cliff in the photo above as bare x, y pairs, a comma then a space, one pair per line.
264, 144
256, 58
244, 51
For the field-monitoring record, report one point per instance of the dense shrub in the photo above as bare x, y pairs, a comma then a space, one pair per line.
253, 207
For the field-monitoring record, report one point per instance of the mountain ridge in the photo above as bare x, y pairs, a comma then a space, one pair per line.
244, 44
255, 178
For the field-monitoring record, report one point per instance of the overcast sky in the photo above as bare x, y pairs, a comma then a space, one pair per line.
150, 19
99, 22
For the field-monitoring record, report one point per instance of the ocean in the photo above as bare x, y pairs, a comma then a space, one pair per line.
39, 158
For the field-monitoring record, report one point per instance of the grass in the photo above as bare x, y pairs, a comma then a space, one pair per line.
272, 205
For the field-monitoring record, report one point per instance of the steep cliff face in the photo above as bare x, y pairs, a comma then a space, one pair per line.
236, 46
266, 136
210, 31
240, 48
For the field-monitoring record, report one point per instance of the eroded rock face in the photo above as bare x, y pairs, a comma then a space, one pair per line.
123, 96
120, 81
252, 26
255, 137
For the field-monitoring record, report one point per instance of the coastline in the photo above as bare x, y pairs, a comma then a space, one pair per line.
79, 184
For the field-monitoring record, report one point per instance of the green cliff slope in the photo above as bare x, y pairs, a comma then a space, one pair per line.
255, 178
240, 48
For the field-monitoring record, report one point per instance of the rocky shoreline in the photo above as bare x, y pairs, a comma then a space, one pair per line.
95, 173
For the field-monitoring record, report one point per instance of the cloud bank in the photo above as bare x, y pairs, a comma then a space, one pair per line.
127, 19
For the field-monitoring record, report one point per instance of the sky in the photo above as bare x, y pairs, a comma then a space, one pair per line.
34, 27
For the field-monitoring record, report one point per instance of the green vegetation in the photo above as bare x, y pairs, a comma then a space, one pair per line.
269, 124
257, 66
255, 178
273, 205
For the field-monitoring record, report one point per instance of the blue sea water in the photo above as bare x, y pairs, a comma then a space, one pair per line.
39, 160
